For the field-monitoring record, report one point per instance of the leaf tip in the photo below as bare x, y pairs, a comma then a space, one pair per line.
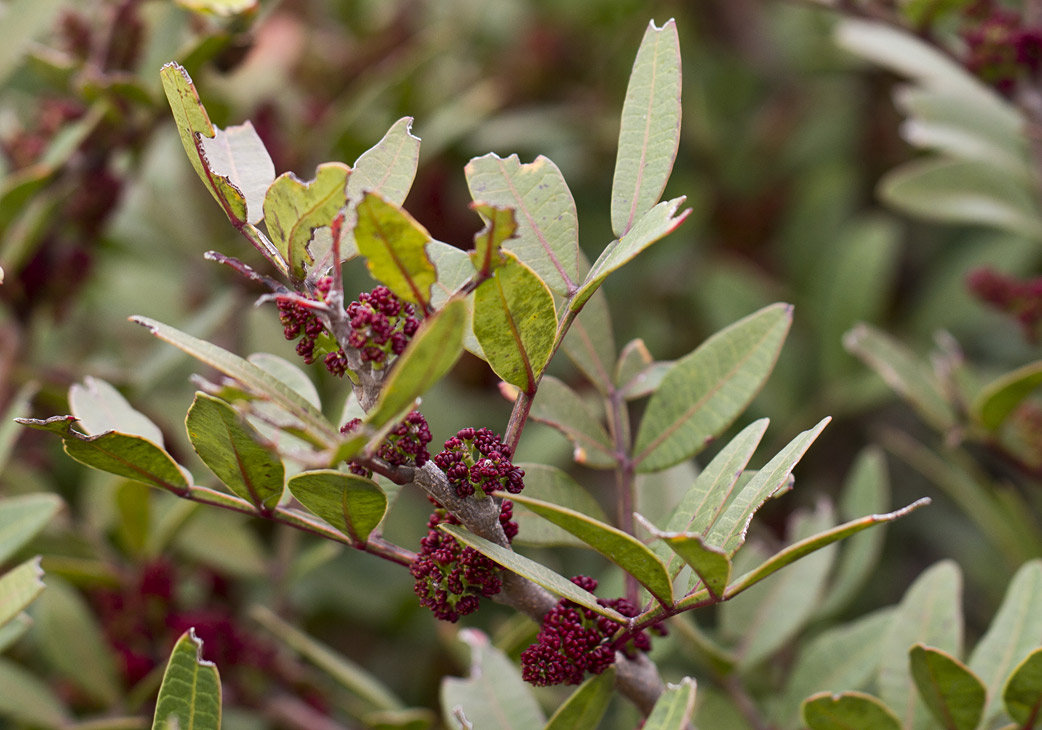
190, 635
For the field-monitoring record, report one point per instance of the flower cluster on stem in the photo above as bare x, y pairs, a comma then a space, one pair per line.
476, 461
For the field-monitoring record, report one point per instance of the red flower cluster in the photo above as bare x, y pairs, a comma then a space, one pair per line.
999, 49
298, 320
487, 471
381, 325
574, 640
1021, 299
406, 444
450, 577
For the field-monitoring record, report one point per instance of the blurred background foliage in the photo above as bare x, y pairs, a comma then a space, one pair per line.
785, 137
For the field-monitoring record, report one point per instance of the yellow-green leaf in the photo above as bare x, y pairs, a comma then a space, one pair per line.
294, 209
1000, 397
515, 322
352, 504
1023, 692
393, 244
500, 226
848, 711
953, 694
674, 708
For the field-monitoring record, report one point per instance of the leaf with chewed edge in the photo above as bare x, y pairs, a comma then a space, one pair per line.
352, 504
117, 453
650, 131
294, 209
190, 695
547, 234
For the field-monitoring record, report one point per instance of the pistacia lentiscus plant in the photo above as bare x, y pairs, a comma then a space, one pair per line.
523, 293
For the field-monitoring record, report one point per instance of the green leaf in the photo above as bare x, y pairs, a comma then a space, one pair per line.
535, 572
550, 484
866, 491
434, 349
910, 378
705, 501
500, 226
190, 695
559, 406
239, 154
620, 547
387, 168
705, 391
515, 322
547, 236
73, 642
294, 209
17, 405
341, 669
650, 227
393, 244
587, 705
773, 612
957, 191
13, 630
650, 130
220, 8
1023, 692
99, 407
728, 532
813, 543
493, 695
262, 384
711, 564
24, 21
590, 343
848, 711
19, 588
998, 399
22, 517
454, 269
352, 504
127, 456
952, 692
634, 359
674, 708
841, 658
224, 542
193, 124
232, 450
29, 701
1013, 634
288, 373
930, 613
134, 505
